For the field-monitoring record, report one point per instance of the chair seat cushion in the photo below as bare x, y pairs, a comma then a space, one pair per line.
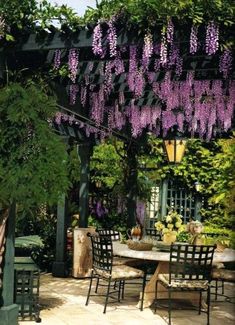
223, 274
121, 272
183, 284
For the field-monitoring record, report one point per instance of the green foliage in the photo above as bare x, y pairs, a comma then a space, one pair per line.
32, 157
112, 221
106, 165
44, 255
183, 237
35, 15
224, 184
149, 12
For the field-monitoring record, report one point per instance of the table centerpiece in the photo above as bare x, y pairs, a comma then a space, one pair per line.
169, 226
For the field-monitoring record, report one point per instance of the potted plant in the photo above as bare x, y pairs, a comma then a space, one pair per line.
169, 226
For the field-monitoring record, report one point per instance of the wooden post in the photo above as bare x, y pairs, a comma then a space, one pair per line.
9, 310
84, 151
131, 185
164, 189
59, 268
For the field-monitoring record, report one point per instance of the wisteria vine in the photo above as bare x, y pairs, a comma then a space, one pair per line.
203, 107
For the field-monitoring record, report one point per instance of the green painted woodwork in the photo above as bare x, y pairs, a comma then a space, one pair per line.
131, 184
8, 266
163, 195
27, 280
59, 267
84, 151
9, 315
9, 310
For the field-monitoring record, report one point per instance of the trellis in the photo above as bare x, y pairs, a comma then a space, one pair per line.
36, 51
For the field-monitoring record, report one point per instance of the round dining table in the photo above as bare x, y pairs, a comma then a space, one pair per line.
163, 258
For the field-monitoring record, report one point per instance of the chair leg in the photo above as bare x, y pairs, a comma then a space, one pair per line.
97, 284
222, 284
169, 305
89, 290
107, 296
122, 288
200, 303
208, 305
155, 302
216, 289
119, 290
142, 297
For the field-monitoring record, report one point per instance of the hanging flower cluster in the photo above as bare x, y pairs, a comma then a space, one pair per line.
170, 32
225, 64
57, 59
193, 39
212, 38
140, 212
202, 107
97, 41
112, 38
147, 50
73, 90
73, 64
163, 49
2, 27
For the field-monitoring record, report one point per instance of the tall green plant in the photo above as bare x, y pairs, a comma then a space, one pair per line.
32, 157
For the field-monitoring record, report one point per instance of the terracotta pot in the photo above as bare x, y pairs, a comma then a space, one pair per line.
169, 238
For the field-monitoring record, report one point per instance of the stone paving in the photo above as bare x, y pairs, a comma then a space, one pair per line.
62, 302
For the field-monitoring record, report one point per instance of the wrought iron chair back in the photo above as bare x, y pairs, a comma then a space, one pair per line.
102, 253
114, 234
189, 269
190, 262
103, 268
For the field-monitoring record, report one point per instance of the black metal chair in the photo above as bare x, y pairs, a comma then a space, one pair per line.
153, 233
148, 267
220, 276
219, 273
103, 269
189, 270
114, 234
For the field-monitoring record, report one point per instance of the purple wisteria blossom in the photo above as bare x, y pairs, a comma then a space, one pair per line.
170, 31
73, 90
97, 41
193, 39
112, 38
140, 212
2, 27
163, 50
212, 38
73, 64
147, 50
225, 63
57, 59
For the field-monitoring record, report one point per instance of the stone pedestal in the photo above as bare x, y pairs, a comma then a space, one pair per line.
82, 252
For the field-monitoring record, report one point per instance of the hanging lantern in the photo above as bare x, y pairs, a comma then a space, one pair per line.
175, 149
197, 186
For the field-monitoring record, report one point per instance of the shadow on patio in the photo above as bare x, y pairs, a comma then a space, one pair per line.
62, 302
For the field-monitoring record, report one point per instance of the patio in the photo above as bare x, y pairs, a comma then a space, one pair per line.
62, 302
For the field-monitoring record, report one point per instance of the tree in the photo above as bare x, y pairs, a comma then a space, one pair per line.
32, 157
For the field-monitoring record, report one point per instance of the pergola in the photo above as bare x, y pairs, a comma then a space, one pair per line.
109, 83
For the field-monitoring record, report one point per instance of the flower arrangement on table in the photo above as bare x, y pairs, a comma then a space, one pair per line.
169, 226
